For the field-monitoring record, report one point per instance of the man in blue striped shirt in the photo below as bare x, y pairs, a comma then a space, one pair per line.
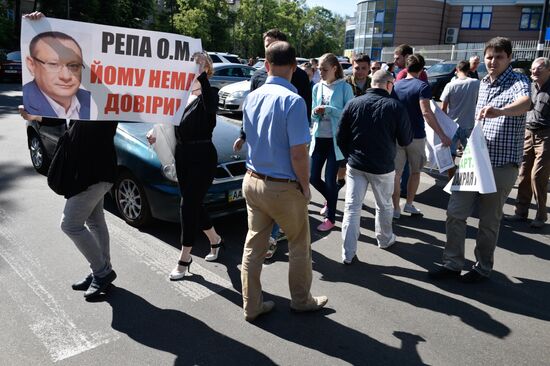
504, 99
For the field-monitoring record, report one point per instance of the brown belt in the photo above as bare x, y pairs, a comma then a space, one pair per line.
272, 179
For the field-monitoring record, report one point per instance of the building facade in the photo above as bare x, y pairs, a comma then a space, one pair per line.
387, 23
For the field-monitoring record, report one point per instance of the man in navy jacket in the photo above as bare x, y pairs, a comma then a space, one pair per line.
369, 128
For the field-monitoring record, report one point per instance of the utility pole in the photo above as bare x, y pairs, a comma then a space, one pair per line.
542, 30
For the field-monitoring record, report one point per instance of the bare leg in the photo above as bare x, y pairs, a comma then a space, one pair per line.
397, 190
213, 238
412, 187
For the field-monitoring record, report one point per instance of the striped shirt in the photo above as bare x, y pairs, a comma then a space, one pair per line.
504, 134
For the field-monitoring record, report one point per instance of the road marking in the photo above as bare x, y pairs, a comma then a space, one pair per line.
161, 258
49, 322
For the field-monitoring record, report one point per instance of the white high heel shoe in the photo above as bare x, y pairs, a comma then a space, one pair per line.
214, 256
176, 274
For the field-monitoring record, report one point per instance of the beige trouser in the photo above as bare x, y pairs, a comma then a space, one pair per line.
268, 202
460, 208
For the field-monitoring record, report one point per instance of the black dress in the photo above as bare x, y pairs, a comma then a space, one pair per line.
196, 160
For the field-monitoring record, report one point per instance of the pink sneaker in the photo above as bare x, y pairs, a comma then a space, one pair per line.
327, 225
324, 210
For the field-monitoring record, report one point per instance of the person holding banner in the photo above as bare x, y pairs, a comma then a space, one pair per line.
535, 168
501, 107
93, 158
196, 161
415, 94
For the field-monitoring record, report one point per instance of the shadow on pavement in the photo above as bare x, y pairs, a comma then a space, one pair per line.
168, 330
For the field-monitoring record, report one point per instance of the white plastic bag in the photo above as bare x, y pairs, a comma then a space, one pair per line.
165, 147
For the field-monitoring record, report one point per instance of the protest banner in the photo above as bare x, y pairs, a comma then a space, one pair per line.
97, 72
437, 155
474, 172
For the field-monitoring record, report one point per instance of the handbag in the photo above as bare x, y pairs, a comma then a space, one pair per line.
62, 168
165, 147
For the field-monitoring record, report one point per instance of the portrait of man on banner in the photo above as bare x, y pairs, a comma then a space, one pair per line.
55, 62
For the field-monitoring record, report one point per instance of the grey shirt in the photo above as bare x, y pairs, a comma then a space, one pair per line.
539, 115
461, 95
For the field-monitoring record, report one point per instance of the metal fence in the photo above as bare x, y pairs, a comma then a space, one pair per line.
522, 50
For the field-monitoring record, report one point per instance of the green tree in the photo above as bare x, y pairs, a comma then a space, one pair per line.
207, 20
323, 32
290, 17
254, 17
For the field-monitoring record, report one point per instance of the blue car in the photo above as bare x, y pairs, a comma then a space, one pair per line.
142, 191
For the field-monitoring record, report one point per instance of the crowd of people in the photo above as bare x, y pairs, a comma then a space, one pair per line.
368, 127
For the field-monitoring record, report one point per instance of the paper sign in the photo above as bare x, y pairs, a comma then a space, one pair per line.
474, 172
449, 127
97, 72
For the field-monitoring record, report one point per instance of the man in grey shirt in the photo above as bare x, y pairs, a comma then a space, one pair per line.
459, 101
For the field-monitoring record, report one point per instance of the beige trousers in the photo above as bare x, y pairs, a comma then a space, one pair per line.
268, 202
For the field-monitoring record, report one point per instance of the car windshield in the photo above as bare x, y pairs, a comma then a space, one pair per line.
440, 69
232, 59
14, 56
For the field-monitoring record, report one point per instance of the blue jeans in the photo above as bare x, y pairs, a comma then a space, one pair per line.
324, 152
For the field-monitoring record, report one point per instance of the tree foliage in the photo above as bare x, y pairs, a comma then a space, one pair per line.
313, 31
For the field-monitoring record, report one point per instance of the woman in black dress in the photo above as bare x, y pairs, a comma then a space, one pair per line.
196, 162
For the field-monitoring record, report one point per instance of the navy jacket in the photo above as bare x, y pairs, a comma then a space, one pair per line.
368, 130
36, 104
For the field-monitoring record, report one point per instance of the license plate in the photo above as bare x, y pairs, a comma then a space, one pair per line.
235, 195
10, 71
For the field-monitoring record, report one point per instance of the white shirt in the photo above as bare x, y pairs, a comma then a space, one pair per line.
72, 113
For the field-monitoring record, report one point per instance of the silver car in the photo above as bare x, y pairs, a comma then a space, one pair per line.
225, 74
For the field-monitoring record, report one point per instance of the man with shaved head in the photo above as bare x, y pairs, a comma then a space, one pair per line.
369, 127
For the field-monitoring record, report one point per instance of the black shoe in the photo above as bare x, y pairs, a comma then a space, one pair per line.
473, 277
84, 284
443, 273
99, 284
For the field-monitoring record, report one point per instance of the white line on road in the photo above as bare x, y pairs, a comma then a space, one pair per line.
49, 322
161, 258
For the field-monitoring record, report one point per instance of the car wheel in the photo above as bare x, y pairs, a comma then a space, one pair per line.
39, 158
131, 200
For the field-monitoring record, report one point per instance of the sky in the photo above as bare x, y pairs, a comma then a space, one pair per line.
342, 7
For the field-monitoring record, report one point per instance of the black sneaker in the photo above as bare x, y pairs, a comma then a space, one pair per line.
84, 284
99, 284
443, 273
473, 277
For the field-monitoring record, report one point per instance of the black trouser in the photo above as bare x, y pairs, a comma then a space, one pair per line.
196, 168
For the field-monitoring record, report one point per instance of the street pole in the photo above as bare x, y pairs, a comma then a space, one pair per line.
442, 20
542, 30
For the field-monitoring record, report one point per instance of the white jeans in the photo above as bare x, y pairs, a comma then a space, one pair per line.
356, 188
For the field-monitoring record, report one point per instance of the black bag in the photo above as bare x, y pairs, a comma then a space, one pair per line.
62, 168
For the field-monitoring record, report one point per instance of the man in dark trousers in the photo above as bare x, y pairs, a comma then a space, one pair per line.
369, 127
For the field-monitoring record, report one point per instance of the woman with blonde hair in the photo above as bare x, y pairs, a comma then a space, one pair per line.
196, 160
330, 96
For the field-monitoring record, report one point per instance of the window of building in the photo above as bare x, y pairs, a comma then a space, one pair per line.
530, 18
376, 25
476, 17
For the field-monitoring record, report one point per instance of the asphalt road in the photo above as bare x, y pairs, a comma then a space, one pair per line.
382, 310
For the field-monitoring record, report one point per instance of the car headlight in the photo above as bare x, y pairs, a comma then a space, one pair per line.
239, 94
169, 171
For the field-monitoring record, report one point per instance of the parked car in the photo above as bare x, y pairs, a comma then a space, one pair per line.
429, 62
225, 74
224, 58
439, 75
10, 67
231, 97
142, 191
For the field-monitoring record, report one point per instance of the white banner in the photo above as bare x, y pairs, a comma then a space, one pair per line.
474, 172
438, 156
98, 72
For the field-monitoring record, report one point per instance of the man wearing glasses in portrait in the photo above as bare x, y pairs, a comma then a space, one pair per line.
55, 62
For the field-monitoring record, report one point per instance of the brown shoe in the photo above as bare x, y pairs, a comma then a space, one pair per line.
318, 303
267, 306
